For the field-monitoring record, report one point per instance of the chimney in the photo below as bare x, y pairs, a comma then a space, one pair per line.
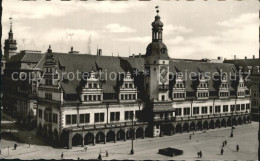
235, 57
140, 55
245, 57
220, 58
133, 55
100, 52
253, 56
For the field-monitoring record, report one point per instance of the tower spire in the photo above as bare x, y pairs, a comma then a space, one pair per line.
157, 27
11, 29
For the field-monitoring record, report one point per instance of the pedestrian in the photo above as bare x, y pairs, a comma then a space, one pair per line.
237, 148
99, 156
78, 158
225, 142
200, 154
62, 155
190, 136
193, 132
15, 146
86, 148
106, 154
0, 152
222, 151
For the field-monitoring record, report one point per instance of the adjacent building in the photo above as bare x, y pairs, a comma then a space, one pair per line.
19, 84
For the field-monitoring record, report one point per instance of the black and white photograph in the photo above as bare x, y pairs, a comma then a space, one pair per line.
130, 80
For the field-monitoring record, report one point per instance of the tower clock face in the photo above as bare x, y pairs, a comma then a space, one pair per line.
163, 74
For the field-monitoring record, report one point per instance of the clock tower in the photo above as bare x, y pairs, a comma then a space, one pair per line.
157, 81
157, 63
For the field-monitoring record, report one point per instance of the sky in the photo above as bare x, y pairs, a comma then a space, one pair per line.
192, 29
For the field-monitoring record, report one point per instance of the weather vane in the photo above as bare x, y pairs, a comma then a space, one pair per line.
157, 9
10, 21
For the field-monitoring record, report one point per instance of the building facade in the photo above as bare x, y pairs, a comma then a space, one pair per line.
19, 84
118, 98
250, 70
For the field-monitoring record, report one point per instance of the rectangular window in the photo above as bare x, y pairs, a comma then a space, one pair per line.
163, 97
122, 96
99, 117
196, 110
68, 119
178, 112
186, 111
247, 106
210, 109
242, 107
217, 109
48, 96
238, 107
99, 97
74, 119
204, 109
55, 118
225, 108
129, 115
81, 118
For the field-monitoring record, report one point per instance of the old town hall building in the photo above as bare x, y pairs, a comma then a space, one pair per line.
89, 99
149, 90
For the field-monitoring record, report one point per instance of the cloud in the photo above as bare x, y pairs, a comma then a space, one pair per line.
175, 41
145, 39
238, 36
247, 18
118, 28
170, 29
42, 9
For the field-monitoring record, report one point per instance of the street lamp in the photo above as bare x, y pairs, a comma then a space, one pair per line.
132, 150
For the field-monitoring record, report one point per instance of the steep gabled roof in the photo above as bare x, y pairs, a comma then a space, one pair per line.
109, 64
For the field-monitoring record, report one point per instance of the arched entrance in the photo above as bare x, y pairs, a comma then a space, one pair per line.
205, 125
223, 123
120, 135
111, 136
239, 121
199, 125
77, 140
229, 121
130, 133
211, 124
64, 138
217, 123
139, 133
244, 119
178, 128
100, 137
89, 138
186, 127
192, 126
